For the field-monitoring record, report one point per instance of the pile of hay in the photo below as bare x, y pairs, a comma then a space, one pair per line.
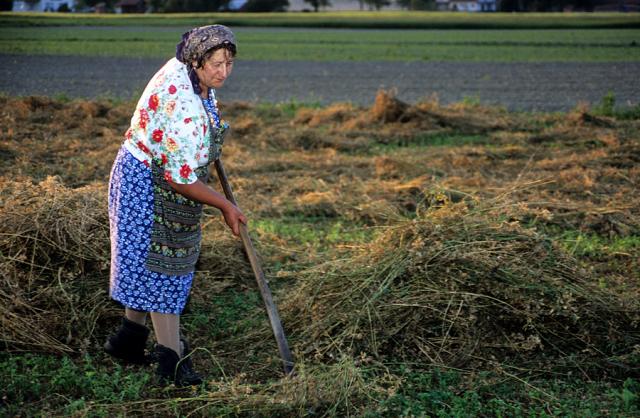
459, 286
55, 258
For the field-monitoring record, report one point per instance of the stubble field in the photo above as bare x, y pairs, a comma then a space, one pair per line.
426, 259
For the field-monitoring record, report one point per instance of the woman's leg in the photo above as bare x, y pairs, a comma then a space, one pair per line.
169, 351
167, 330
139, 317
129, 342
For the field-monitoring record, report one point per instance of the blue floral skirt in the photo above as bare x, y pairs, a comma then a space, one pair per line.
131, 221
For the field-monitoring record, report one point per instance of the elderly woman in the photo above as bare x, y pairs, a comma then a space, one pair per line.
156, 194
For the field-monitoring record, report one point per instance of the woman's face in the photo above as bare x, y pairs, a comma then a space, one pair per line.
216, 69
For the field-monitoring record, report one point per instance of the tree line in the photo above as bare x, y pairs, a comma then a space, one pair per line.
180, 6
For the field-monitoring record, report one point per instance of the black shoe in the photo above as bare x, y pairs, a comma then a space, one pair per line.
172, 369
128, 342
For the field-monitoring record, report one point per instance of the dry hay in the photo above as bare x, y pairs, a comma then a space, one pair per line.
54, 256
54, 260
335, 113
460, 286
391, 116
74, 140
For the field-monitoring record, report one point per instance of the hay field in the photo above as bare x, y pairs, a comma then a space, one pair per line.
427, 260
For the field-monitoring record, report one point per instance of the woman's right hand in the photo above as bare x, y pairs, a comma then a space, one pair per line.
233, 216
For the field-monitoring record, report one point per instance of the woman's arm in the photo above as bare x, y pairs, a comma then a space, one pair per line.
202, 193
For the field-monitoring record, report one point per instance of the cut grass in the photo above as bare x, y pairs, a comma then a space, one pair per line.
340, 45
285, 188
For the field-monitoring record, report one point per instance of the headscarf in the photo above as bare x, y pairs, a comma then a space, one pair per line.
198, 41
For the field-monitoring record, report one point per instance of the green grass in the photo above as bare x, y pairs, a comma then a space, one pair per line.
589, 245
430, 140
339, 45
314, 231
441, 394
41, 385
607, 107
37, 383
352, 19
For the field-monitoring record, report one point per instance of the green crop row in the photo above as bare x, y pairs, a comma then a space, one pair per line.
338, 44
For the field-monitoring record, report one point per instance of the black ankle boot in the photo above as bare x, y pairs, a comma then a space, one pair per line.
172, 369
128, 342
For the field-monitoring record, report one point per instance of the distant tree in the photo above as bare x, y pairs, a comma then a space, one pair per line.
417, 4
317, 4
81, 4
64, 8
6, 5
266, 6
545, 5
513, 5
156, 5
377, 4
183, 6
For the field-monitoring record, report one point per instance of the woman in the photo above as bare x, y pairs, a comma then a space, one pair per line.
156, 192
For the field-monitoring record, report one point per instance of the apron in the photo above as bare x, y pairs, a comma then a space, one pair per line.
176, 232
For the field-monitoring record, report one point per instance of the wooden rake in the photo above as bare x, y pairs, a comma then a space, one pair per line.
265, 292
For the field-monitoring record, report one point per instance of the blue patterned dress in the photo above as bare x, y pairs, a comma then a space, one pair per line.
131, 202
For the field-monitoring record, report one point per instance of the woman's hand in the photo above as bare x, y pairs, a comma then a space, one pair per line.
233, 216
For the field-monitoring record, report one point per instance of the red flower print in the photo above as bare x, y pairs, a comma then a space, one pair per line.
154, 102
204, 129
164, 159
185, 170
128, 134
167, 176
172, 89
157, 135
143, 147
187, 120
144, 118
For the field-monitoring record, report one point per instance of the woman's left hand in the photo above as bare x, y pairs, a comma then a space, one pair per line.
233, 216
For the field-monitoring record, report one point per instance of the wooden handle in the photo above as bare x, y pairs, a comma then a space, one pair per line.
265, 292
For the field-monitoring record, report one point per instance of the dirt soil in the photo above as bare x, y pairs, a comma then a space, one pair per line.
554, 86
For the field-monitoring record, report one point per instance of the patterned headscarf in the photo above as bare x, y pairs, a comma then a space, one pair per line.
198, 41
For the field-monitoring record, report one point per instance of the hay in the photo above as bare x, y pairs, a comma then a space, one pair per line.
55, 258
459, 286
54, 251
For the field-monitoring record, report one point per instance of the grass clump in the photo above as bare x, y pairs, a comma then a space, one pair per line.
461, 286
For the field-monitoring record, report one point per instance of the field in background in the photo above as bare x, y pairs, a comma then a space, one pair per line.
521, 45
375, 20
